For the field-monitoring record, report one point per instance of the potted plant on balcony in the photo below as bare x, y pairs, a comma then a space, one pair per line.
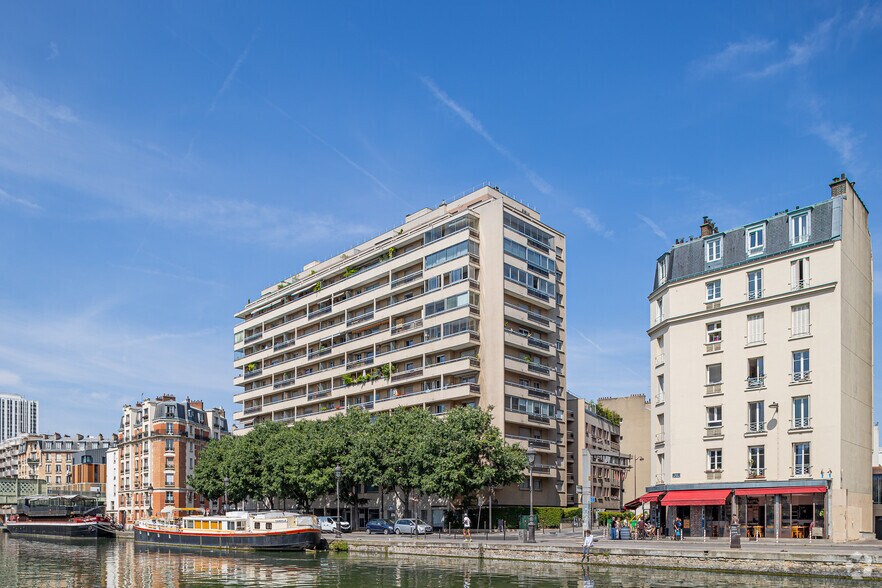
250, 367
527, 358
317, 287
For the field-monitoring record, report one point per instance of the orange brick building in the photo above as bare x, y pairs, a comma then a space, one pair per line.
159, 445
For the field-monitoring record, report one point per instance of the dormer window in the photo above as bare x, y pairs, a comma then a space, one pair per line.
756, 239
713, 249
800, 227
662, 270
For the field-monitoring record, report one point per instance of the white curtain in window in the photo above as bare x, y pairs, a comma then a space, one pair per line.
755, 328
799, 273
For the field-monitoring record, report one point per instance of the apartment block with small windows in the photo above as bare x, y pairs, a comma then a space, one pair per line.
463, 304
158, 447
761, 362
18, 416
52, 457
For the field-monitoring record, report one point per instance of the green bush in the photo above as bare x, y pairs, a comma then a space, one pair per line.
605, 516
572, 512
338, 545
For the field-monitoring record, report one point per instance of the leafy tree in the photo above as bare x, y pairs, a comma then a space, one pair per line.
405, 439
208, 475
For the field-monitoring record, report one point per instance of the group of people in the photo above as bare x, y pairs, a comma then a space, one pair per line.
640, 527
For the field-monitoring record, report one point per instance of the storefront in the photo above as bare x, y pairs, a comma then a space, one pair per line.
801, 508
703, 512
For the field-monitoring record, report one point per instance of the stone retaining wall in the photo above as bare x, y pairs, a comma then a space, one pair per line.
857, 565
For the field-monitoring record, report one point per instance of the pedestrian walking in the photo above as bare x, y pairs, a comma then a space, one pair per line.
587, 542
466, 528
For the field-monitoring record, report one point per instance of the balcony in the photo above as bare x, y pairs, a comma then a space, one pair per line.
321, 351
756, 428
407, 326
800, 284
283, 344
365, 316
801, 423
407, 374
660, 438
253, 373
253, 409
283, 383
753, 473
360, 362
253, 337
320, 312
406, 279
800, 471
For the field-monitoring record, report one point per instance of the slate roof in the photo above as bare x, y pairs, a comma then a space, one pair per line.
687, 260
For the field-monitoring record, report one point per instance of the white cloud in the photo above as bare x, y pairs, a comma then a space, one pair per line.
653, 227
593, 222
36, 110
9, 380
10, 199
475, 125
800, 53
734, 54
231, 76
53, 51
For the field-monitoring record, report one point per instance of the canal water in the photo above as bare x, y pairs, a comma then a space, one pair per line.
122, 564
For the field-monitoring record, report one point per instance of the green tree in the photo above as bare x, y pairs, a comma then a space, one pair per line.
404, 438
208, 475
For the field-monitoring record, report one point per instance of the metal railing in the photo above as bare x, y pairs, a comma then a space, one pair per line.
802, 423
756, 427
802, 470
802, 376
756, 381
756, 472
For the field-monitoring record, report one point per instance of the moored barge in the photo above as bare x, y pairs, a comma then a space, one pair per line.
272, 530
71, 516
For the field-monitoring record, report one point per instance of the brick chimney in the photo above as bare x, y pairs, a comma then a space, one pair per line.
708, 227
839, 186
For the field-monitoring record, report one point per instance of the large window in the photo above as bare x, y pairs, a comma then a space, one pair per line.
450, 303
528, 230
756, 461
714, 374
713, 249
756, 240
538, 260
528, 406
713, 291
800, 227
529, 280
451, 252
755, 328
459, 326
801, 371
755, 284
799, 274
801, 419
714, 460
756, 417
449, 228
756, 373
802, 463
799, 320
714, 416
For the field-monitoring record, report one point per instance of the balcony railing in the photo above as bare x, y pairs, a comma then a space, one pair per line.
283, 383
805, 376
253, 337
755, 295
802, 470
283, 344
253, 373
800, 284
411, 373
756, 472
406, 279
253, 409
802, 423
360, 362
756, 427
659, 359
756, 381
407, 326
365, 316
318, 352
320, 312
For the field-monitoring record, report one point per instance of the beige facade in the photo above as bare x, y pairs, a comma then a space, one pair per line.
636, 412
48, 457
159, 444
761, 359
463, 304
588, 429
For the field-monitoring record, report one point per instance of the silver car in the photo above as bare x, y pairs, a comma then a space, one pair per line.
411, 526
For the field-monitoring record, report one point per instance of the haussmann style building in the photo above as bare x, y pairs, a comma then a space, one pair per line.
762, 375
460, 305
157, 451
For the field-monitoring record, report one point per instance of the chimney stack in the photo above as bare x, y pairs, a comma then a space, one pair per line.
838, 186
708, 227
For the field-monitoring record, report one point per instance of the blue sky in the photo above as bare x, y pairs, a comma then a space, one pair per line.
161, 163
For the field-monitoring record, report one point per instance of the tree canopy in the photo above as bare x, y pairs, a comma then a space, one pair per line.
406, 450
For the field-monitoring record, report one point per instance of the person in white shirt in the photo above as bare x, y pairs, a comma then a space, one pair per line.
586, 545
466, 528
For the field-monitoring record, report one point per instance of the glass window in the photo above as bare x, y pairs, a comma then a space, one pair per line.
713, 249
529, 280
756, 240
754, 285
451, 252
801, 413
801, 371
801, 459
756, 373
800, 228
756, 461
715, 374
756, 418
662, 270
714, 416
799, 274
528, 230
714, 460
714, 332
713, 291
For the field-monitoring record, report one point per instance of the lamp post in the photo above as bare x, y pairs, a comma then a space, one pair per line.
636, 459
149, 497
226, 485
337, 472
531, 529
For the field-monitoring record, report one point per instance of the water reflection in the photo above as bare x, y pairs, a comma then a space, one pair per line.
122, 564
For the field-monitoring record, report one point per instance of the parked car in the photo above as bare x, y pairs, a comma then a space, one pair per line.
329, 525
380, 526
409, 526
345, 527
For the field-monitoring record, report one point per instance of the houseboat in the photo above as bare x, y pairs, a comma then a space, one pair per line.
271, 530
73, 516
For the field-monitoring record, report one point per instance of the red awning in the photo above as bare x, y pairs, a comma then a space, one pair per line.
782, 490
648, 497
696, 498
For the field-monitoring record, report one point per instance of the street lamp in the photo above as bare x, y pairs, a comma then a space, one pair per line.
149, 496
636, 459
531, 529
226, 485
337, 472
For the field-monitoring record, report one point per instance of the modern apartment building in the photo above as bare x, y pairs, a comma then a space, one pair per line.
636, 412
460, 305
590, 426
761, 362
159, 444
50, 457
18, 416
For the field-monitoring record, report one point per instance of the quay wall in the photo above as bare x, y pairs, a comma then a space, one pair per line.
828, 565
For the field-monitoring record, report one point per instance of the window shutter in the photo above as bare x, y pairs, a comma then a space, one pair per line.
755, 328
800, 324
794, 274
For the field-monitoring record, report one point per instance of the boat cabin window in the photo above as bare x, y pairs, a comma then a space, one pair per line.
269, 526
188, 524
240, 525
231, 525
256, 525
